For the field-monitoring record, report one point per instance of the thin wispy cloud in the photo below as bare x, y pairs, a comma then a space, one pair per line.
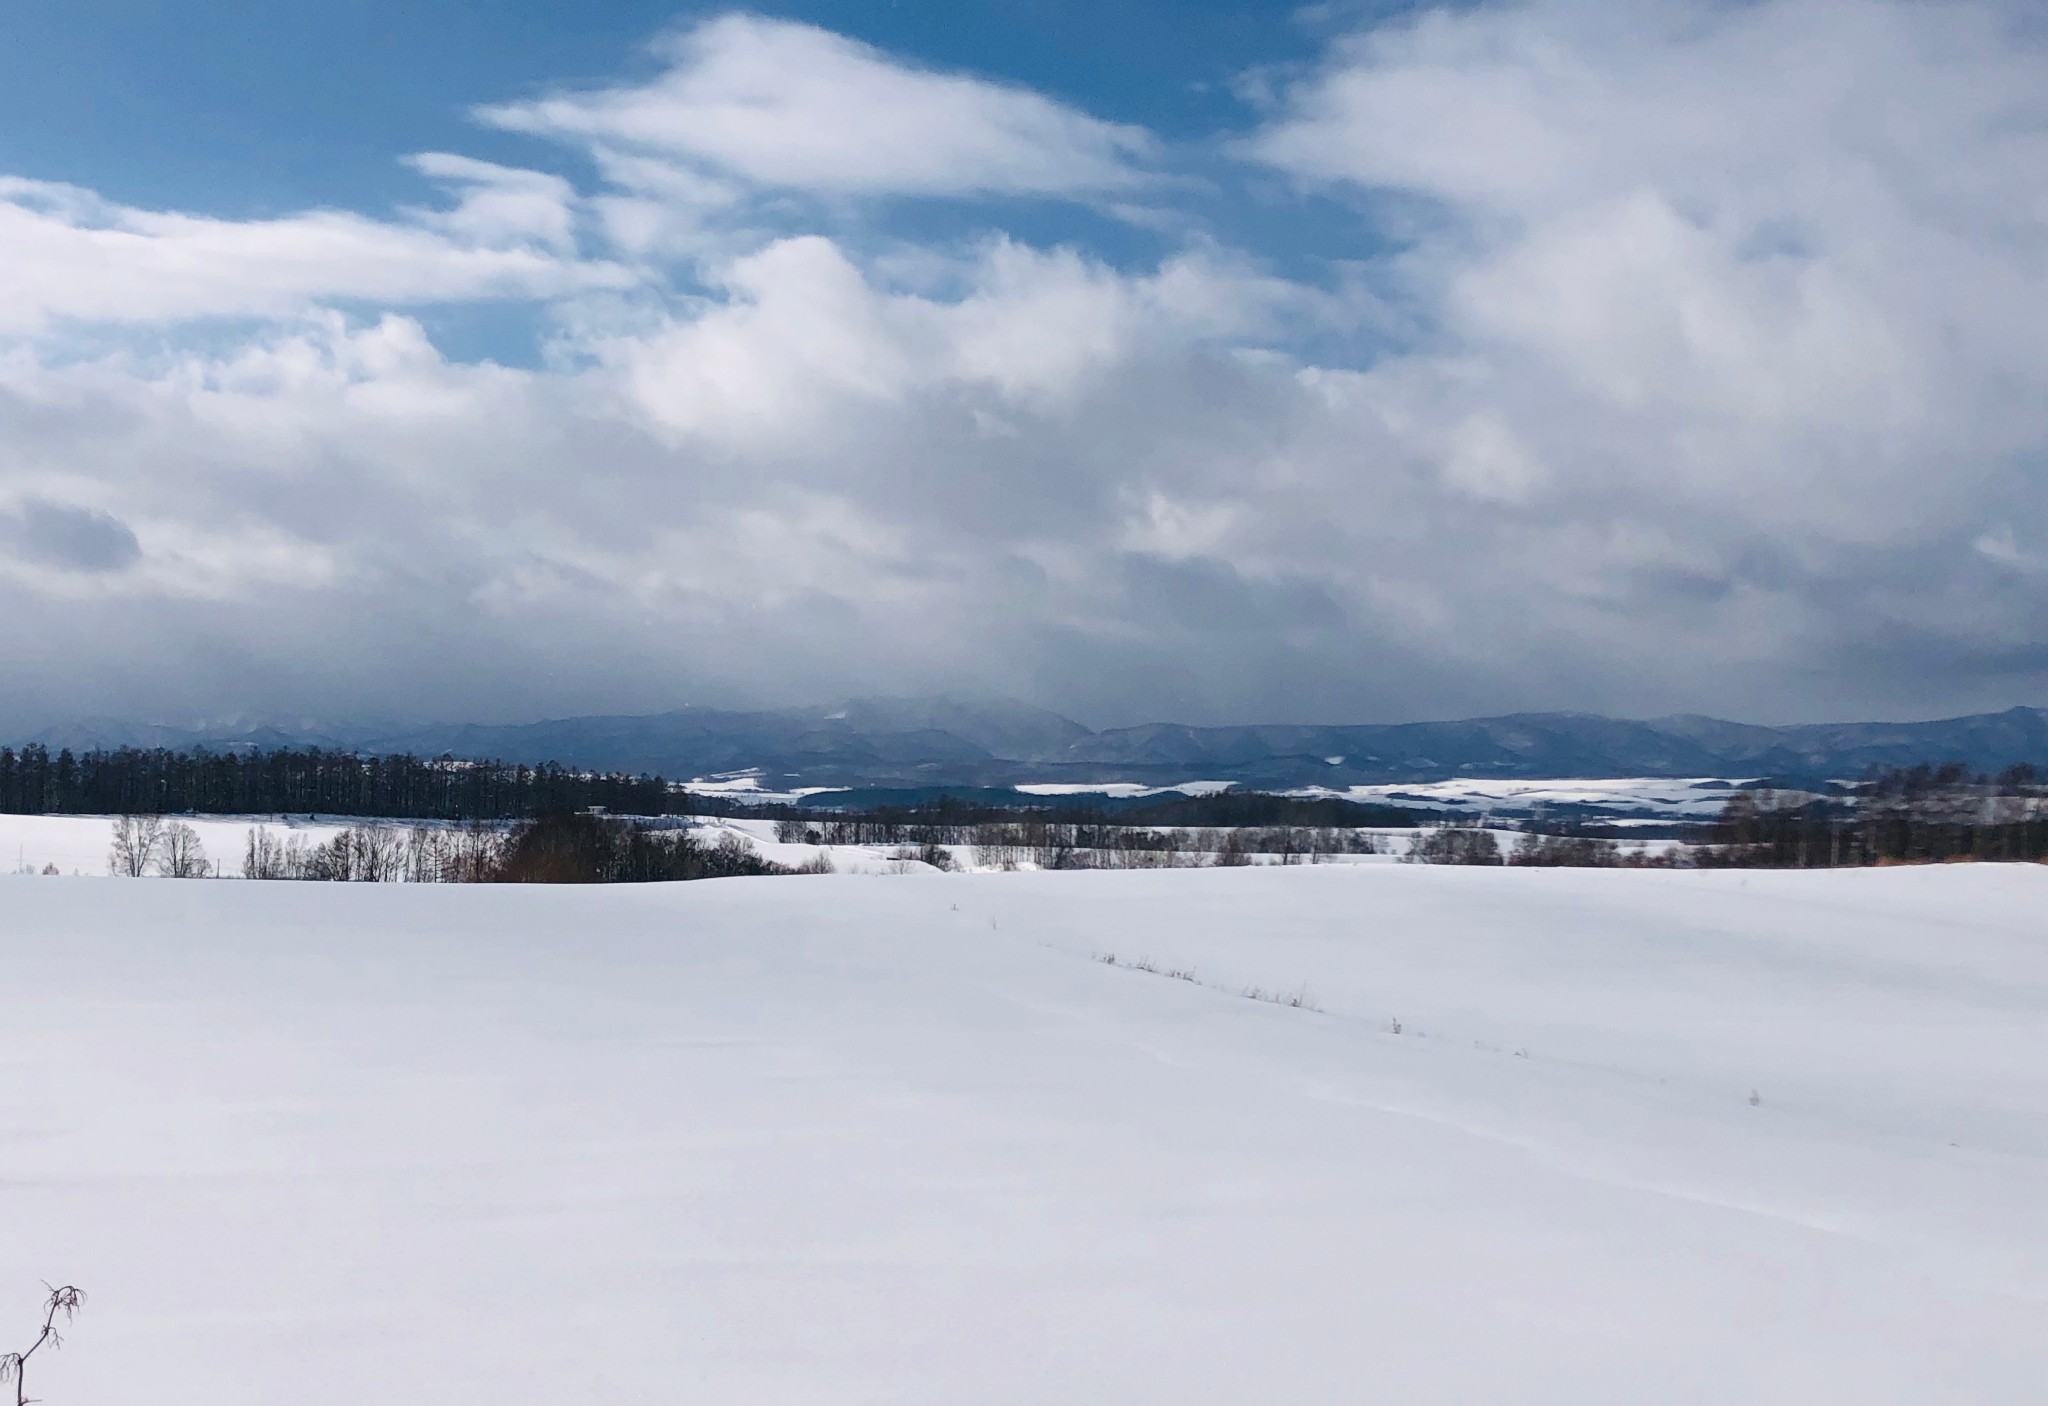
72, 257
791, 106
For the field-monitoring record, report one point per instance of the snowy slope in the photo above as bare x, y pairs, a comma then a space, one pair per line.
905, 1139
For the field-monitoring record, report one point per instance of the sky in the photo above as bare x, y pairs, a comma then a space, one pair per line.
1146, 360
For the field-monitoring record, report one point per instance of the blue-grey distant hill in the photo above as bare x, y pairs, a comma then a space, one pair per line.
952, 742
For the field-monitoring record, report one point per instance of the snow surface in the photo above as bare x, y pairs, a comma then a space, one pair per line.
1687, 798
746, 786
1123, 790
853, 1139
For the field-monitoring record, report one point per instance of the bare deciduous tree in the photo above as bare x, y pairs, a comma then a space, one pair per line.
136, 841
264, 856
62, 1302
180, 854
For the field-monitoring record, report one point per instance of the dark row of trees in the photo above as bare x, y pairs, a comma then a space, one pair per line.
1466, 841
551, 849
1045, 839
1912, 815
308, 781
588, 849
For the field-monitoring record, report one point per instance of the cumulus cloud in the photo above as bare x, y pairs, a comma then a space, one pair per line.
1685, 356
1732, 302
780, 104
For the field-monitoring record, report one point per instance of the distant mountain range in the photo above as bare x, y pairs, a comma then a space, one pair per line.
950, 742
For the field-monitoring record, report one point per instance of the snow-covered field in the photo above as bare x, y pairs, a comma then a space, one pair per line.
79, 844
1641, 797
1641, 1137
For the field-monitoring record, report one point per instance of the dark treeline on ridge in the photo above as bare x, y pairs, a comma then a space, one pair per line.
135, 781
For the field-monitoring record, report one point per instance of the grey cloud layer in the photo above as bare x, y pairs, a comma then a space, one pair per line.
1723, 388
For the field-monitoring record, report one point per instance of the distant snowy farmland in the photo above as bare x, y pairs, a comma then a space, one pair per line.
79, 844
1529, 1136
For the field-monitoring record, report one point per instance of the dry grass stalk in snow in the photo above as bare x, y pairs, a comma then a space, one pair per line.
63, 1303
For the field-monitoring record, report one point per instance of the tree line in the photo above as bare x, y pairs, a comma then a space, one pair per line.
562, 848
313, 781
1908, 815
1049, 842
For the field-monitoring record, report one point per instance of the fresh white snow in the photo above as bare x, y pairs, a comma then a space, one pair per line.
1642, 1137
1123, 790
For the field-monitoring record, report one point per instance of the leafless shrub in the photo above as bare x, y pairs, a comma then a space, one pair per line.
819, 863
62, 1303
1298, 998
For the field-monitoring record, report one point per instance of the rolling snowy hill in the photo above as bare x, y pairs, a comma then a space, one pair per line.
1671, 1137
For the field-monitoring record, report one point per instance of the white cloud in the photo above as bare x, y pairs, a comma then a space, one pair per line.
500, 206
1790, 243
806, 338
72, 257
786, 105
1720, 385
1757, 284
